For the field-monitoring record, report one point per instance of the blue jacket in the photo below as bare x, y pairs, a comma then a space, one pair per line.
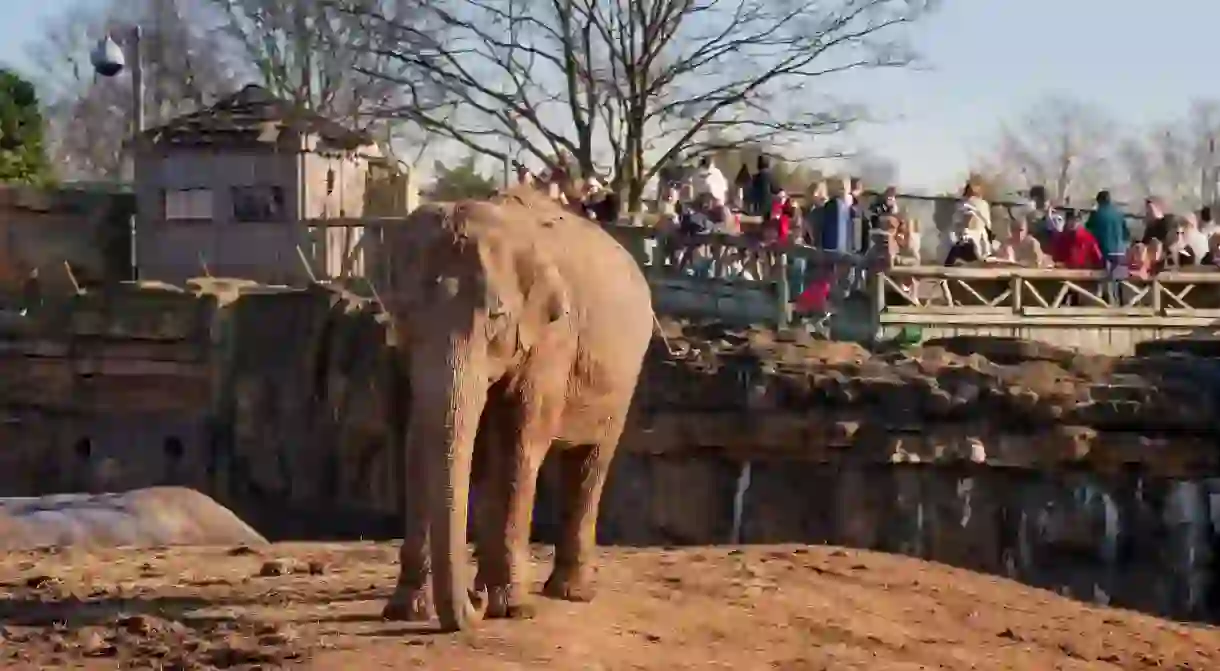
1109, 227
837, 225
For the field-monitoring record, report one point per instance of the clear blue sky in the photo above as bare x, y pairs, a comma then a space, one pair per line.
989, 59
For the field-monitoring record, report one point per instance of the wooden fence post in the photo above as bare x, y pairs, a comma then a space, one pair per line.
782, 291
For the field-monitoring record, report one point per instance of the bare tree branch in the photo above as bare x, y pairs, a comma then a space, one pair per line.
306, 52
88, 116
1060, 143
631, 85
1170, 159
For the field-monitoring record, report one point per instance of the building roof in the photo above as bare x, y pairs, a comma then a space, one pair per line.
250, 116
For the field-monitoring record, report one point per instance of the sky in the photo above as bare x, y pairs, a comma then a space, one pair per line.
985, 61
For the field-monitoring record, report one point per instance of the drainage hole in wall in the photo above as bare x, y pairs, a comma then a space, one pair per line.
83, 448
173, 448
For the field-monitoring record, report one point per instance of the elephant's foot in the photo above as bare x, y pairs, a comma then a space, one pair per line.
570, 584
408, 605
504, 602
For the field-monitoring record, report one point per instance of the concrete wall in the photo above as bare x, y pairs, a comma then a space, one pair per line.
40, 229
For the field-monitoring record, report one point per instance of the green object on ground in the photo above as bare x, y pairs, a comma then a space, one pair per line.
909, 336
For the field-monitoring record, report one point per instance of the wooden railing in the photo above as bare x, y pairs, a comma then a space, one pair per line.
733, 277
1037, 292
1082, 310
704, 275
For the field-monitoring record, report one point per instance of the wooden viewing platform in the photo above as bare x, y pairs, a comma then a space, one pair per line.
1070, 308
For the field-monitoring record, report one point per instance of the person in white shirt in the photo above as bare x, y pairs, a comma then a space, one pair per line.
710, 180
1193, 237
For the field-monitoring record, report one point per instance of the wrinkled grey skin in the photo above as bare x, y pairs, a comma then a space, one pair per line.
522, 336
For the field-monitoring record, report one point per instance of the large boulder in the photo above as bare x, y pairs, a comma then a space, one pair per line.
142, 518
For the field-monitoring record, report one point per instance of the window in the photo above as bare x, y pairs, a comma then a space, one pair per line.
188, 204
258, 203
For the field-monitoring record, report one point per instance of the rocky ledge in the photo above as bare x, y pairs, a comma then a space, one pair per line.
753, 393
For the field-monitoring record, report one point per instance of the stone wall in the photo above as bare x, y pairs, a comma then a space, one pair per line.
1126, 539
41, 229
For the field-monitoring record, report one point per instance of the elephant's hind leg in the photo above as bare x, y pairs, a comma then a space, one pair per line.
504, 558
582, 477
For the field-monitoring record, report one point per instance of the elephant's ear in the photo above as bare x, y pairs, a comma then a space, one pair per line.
546, 300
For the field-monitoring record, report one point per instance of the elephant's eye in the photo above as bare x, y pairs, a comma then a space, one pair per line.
444, 287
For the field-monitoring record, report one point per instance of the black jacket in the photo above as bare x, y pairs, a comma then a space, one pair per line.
762, 188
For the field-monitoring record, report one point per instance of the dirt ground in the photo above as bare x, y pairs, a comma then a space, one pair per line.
786, 608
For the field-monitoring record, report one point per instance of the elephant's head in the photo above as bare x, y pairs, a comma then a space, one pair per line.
478, 295
468, 276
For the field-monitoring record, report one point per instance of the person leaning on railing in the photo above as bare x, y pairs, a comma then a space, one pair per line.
971, 240
1021, 247
1075, 248
882, 206
1140, 261
1177, 252
1212, 258
709, 215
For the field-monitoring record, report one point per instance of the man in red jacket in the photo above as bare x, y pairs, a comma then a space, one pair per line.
1075, 247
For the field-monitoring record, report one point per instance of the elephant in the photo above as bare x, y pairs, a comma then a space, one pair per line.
526, 329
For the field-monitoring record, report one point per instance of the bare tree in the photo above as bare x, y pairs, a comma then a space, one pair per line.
196, 50
1172, 160
875, 171
307, 52
1060, 143
88, 116
629, 86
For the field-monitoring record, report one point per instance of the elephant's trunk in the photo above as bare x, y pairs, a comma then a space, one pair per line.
447, 418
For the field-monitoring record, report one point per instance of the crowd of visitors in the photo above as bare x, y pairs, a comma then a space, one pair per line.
1046, 237
833, 215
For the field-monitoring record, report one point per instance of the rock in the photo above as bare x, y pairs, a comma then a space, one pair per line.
151, 517
1003, 351
93, 644
275, 567
978, 452
40, 581
843, 434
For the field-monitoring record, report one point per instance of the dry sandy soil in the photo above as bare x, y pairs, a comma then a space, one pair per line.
784, 608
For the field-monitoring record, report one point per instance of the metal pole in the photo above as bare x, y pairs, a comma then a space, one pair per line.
136, 56
137, 82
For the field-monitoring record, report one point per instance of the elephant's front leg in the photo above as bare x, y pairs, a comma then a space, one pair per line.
504, 558
411, 600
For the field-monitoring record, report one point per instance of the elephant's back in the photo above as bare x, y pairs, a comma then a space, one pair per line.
614, 319
610, 292
610, 282
584, 251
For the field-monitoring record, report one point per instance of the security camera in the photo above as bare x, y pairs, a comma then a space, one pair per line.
107, 58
